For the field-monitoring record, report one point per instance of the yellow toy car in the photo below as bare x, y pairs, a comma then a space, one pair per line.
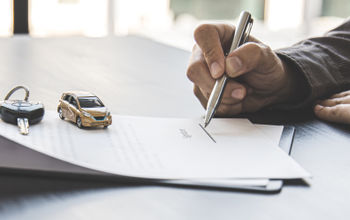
83, 108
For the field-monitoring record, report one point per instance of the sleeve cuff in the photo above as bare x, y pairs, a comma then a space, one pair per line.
303, 81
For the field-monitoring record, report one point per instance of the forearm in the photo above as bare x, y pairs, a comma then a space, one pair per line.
321, 65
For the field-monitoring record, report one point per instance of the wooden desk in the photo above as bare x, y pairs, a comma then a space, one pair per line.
139, 77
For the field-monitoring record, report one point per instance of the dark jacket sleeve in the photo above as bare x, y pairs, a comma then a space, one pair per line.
322, 62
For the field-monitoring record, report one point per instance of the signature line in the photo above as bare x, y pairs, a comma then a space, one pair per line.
207, 133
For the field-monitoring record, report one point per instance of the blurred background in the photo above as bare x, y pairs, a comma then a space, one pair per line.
278, 23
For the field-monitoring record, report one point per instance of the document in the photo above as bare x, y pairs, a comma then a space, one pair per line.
163, 148
272, 132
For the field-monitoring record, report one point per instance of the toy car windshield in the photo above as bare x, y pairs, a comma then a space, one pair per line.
90, 102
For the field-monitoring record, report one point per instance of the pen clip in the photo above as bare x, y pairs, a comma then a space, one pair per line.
247, 32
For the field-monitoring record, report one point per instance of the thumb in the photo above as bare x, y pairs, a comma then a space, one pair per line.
208, 39
248, 57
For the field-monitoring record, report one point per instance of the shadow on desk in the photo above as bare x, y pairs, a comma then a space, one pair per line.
15, 186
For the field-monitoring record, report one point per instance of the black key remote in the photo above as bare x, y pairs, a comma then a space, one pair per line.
21, 112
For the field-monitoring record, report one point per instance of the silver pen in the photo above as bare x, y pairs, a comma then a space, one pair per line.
241, 35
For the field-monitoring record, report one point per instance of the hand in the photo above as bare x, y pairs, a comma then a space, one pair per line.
258, 77
335, 109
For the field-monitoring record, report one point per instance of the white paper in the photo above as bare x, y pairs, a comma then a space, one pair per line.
272, 132
162, 148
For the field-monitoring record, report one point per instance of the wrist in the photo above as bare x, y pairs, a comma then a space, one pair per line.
295, 86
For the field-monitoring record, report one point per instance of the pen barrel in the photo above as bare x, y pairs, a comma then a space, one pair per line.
216, 95
240, 32
214, 99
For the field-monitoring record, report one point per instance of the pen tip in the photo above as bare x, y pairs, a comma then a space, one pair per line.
205, 124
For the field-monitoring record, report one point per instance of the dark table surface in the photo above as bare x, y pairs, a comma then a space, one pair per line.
137, 76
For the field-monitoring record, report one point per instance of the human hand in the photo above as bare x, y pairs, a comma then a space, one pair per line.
258, 77
335, 109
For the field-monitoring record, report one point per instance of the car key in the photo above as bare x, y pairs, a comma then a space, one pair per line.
23, 125
21, 112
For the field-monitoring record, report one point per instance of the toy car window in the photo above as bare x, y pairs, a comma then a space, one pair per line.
66, 98
73, 102
90, 102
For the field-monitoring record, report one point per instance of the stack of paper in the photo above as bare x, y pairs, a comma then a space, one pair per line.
232, 151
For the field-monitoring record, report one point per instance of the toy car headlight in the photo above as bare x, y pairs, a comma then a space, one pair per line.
86, 114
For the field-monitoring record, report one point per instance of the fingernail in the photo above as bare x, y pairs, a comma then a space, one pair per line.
234, 64
318, 107
237, 94
215, 69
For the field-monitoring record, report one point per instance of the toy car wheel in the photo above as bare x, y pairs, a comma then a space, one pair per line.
79, 123
60, 114
105, 126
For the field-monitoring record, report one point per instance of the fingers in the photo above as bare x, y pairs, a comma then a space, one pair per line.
336, 100
251, 56
335, 109
338, 113
341, 94
223, 109
211, 39
198, 71
199, 74
234, 92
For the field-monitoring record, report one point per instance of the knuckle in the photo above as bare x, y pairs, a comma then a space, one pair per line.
255, 52
334, 111
259, 49
201, 30
263, 55
253, 47
222, 110
194, 69
338, 101
211, 52
267, 49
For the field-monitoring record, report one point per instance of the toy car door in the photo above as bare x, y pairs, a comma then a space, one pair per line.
64, 105
72, 109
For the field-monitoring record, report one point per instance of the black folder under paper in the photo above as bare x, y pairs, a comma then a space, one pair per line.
17, 159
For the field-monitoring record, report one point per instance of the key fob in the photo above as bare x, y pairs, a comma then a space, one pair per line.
21, 112
11, 110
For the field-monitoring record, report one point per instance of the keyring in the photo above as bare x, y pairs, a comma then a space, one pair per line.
15, 89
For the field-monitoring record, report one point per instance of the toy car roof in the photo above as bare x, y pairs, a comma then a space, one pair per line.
80, 93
